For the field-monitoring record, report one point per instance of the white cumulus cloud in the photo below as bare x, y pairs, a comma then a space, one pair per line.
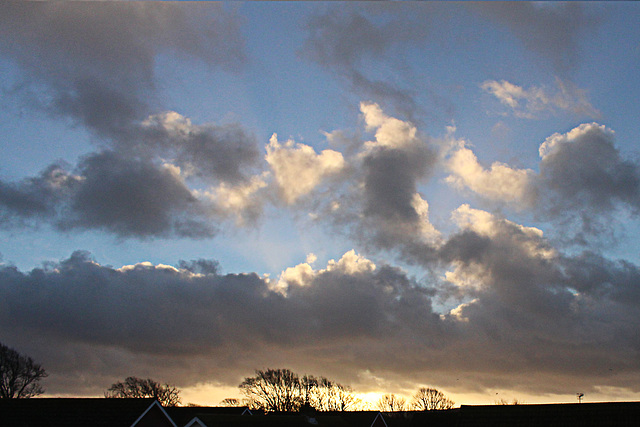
390, 132
298, 169
499, 183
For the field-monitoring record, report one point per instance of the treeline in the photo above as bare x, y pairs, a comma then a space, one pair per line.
271, 390
281, 390
285, 391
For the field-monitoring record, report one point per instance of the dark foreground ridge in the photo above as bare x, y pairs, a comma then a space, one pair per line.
101, 412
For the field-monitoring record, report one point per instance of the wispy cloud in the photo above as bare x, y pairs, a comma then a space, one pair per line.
537, 102
345, 42
96, 64
550, 29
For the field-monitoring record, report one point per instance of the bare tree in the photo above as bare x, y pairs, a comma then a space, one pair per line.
506, 402
19, 375
309, 387
342, 398
333, 396
233, 402
391, 403
274, 390
283, 390
429, 399
166, 394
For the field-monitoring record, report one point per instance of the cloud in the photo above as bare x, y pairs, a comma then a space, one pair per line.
297, 168
244, 201
391, 167
389, 131
588, 183
183, 180
485, 224
146, 314
565, 312
35, 198
583, 180
498, 183
496, 256
584, 167
303, 274
376, 200
403, 99
390, 186
219, 152
134, 198
345, 41
551, 30
537, 101
96, 63
125, 196
530, 310
346, 38
148, 186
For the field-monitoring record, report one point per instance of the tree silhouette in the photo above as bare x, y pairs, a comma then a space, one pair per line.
19, 375
506, 402
332, 396
273, 390
391, 403
429, 399
232, 402
166, 394
284, 390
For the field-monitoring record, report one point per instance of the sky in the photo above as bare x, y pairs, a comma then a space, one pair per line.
390, 195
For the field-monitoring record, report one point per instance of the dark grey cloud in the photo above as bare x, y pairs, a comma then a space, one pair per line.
128, 197
584, 169
585, 184
342, 39
382, 207
78, 299
400, 98
145, 314
35, 198
347, 41
615, 282
390, 219
221, 152
566, 317
540, 312
131, 197
550, 29
504, 259
347, 37
95, 62
129, 193
390, 183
